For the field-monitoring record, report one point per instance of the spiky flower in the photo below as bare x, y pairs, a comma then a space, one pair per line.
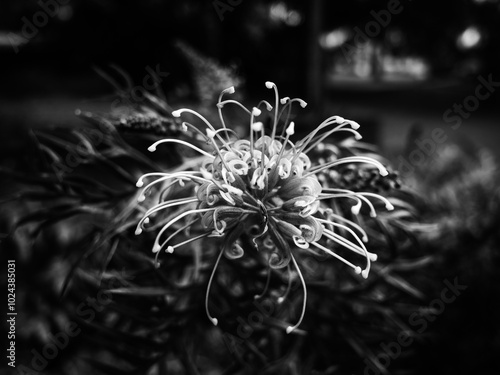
266, 187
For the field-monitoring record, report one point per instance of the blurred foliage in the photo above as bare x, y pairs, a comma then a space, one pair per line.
462, 197
69, 209
101, 32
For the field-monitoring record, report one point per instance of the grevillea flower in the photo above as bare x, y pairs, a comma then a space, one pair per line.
266, 187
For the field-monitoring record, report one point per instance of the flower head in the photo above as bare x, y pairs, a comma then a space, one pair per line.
264, 186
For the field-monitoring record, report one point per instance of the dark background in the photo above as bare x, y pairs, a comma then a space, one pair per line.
428, 57
53, 73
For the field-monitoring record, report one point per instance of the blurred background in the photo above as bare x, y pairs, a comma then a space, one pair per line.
419, 76
387, 64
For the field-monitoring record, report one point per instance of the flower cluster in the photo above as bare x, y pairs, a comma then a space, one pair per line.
266, 187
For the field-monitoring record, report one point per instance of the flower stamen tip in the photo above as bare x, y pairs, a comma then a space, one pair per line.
291, 129
152, 148
357, 270
170, 249
256, 111
354, 125
210, 133
365, 273
177, 113
289, 329
138, 231
214, 321
302, 103
356, 208
257, 126
270, 84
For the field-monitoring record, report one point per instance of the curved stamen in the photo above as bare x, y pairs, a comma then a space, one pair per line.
156, 261
304, 303
349, 159
270, 85
357, 249
269, 107
156, 246
178, 175
212, 319
362, 195
388, 205
361, 250
165, 190
178, 112
357, 137
357, 269
330, 121
229, 90
170, 249
184, 227
230, 101
170, 203
142, 195
140, 181
352, 195
151, 211
254, 127
152, 148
